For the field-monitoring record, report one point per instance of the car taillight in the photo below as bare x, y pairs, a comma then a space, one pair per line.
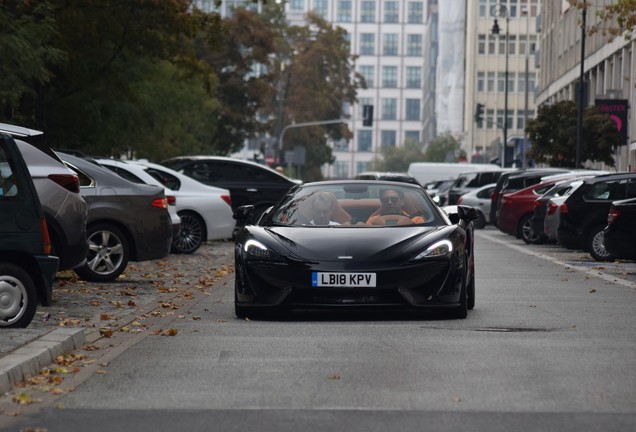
160, 203
564, 208
493, 196
67, 181
227, 199
612, 216
46, 240
538, 203
172, 200
459, 200
552, 208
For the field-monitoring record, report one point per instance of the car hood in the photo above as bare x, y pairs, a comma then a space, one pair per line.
361, 244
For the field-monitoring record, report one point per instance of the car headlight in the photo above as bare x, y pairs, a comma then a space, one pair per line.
441, 248
257, 250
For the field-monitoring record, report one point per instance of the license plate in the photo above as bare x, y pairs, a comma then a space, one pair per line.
320, 279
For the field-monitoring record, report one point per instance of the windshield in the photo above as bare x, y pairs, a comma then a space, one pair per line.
355, 204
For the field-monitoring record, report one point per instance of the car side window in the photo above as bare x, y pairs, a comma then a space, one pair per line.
630, 189
600, 191
8, 183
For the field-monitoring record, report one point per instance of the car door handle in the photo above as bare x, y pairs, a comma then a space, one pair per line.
252, 190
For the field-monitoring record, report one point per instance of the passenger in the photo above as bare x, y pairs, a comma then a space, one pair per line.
392, 204
322, 209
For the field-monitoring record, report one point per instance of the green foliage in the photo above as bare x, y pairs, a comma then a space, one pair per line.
443, 148
616, 18
553, 135
398, 159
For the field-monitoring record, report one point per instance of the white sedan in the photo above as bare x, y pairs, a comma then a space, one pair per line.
205, 211
480, 200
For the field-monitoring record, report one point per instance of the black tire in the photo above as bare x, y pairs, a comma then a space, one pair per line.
461, 311
595, 245
191, 235
18, 297
480, 222
108, 253
526, 233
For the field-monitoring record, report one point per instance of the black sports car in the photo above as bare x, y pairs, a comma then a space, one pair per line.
356, 244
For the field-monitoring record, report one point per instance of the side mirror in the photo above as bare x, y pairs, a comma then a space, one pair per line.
467, 213
243, 213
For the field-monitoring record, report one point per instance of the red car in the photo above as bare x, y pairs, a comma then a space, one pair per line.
516, 210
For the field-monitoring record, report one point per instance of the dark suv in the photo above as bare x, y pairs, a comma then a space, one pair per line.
248, 182
26, 268
584, 213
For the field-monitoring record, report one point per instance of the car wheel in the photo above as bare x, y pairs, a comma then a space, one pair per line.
596, 246
191, 235
108, 252
480, 222
526, 232
18, 298
461, 311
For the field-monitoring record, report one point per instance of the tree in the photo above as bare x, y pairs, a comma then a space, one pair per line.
398, 159
319, 81
553, 135
616, 19
443, 148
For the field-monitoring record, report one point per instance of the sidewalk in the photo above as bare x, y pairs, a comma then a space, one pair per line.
82, 312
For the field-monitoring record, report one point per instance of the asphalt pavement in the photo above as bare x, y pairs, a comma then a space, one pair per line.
83, 312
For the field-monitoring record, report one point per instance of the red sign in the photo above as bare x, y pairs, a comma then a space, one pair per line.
617, 110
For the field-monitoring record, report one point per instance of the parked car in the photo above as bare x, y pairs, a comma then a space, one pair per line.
619, 236
126, 221
515, 180
516, 210
205, 211
537, 221
248, 182
479, 199
386, 245
27, 268
386, 175
469, 181
552, 217
137, 174
584, 212
58, 191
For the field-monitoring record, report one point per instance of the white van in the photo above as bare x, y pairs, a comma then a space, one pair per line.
425, 172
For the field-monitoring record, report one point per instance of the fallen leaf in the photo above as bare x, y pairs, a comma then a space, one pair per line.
25, 399
106, 333
334, 377
170, 332
592, 290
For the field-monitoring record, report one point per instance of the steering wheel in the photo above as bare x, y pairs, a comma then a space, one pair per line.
389, 220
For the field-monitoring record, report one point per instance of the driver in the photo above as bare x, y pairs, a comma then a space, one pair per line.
392, 201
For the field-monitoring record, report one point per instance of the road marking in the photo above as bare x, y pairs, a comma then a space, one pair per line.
591, 272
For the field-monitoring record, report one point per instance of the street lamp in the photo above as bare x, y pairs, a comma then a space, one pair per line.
526, 11
500, 11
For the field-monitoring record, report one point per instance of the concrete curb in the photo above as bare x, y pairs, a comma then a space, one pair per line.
28, 360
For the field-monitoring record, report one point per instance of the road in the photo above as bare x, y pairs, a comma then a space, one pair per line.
549, 346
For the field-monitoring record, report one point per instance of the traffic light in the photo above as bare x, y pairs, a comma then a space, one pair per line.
479, 114
367, 115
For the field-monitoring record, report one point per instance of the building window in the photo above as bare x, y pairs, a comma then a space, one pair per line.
412, 136
389, 108
501, 81
368, 72
341, 169
390, 44
522, 44
365, 140
297, 5
413, 109
343, 11
483, 9
511, 82
512, 44
413, 77
391, 11
513, 8
361, 167
388, 138
481, 78
367, 11
521, 83
490, 82
414, 45
509, 118
531, 80
491, 45
341, 145
415, 12
389, 76
367, 44
361, 103
321, 8
533, 44
481, 44
490, 119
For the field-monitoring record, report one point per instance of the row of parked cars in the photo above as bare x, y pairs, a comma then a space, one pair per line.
584, 210
61, 210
